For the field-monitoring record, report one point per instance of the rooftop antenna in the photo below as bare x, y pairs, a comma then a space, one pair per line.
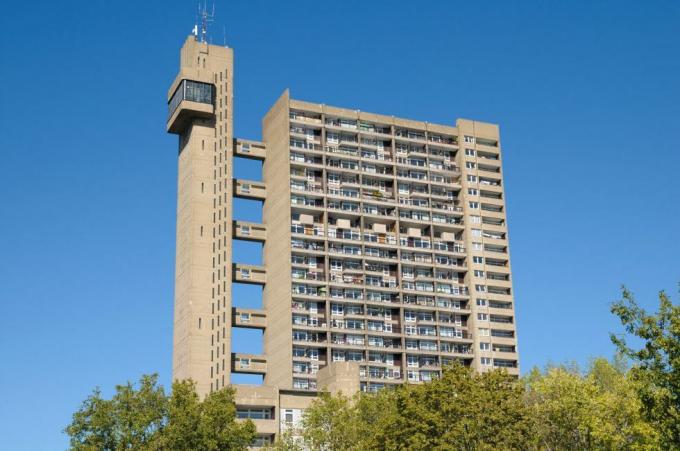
206, 18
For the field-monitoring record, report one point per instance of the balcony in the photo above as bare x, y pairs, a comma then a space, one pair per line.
487, 142
344, 234
249, 231
248, 363
442, 140
310, 228
305, 275
415, 135
302, 159
304, 117
489, 168
439, 166
304, 321
305, 245
249, 318
247, 189
249, 274
503, 363
253, 150
310, 144
305, 202
191, 100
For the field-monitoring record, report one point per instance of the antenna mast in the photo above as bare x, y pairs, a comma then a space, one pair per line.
206, 18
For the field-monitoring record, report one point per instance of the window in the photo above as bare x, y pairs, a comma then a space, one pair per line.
469, 165
446, 332
472, 178
481, 302
260, 441
473, 192
482, 317
355, 356
480, 288
476, 232
193, 91
474, 204
484, 346
428, 346
478, 260
483, 332
254, 413
469, 139
476, 246
470, 152
475, 219
479, 273
333, 138
338, 356
486, 361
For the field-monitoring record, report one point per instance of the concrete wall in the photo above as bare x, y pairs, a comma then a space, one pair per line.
277, 250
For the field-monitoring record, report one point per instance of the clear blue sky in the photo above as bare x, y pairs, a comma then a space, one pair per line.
587, 95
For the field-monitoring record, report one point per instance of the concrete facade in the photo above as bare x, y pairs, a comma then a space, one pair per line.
385, 247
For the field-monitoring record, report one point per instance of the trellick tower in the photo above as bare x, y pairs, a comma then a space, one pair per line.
200, 112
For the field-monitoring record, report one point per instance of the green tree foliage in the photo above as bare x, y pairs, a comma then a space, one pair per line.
558, 409
145, 418
598, 410
656, 363
463, 410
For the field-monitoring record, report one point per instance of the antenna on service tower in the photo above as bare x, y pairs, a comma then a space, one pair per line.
205, 19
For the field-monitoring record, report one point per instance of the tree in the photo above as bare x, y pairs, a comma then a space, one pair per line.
656, 364
331, 425
208, 425
129, 420
561, 408
462, 410
148, 419
558, 409
598, 410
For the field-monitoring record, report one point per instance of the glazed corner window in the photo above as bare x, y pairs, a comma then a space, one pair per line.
193, 91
